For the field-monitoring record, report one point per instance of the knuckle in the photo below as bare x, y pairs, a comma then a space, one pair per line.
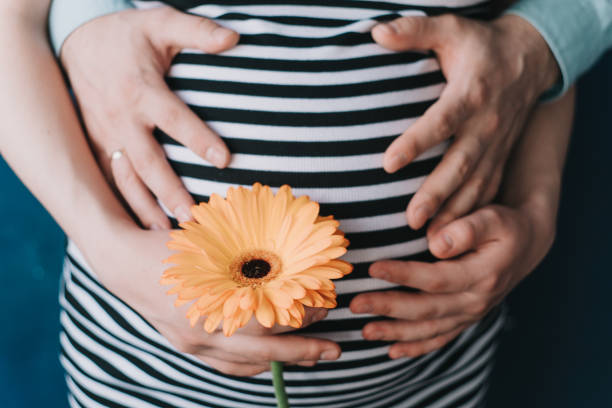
463, 163
478, 308
493, 123
266, 354
444, 125
435, 284
493, 216
206, 25
479, 93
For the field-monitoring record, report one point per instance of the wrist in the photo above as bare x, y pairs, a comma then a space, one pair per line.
537, 59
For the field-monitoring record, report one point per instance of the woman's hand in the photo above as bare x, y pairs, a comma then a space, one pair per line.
501, 245
495, 73
138, 258
121, 91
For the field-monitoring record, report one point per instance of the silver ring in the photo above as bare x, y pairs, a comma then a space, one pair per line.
116, 155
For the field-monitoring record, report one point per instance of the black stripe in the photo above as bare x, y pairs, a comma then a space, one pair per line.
354, 209
276, 40
99, 399
316, 119
298, 149
308, 91
332, 179
301, 65
479, 9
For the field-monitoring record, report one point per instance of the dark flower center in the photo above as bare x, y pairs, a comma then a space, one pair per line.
255, 269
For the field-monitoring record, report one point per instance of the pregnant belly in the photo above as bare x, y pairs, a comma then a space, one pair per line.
314, 107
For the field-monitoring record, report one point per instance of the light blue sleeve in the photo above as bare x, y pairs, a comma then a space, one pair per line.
578, 32
65, 16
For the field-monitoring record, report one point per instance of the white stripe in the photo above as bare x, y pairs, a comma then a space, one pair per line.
351, 104
149, 383
101, 390
256, 26
233, 130
293, 164
76, 391
255, 76
386, 252
362, 285
321, 195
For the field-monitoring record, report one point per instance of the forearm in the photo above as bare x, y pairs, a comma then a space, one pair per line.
535, 170
66, 16
578, 32
40, 136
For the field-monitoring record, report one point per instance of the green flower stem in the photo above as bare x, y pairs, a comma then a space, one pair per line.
279, 384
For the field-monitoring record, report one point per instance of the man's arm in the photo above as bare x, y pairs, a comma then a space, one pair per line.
65, 16
578, 32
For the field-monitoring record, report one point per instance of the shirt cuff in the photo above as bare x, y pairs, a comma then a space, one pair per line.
65, 16
567, 28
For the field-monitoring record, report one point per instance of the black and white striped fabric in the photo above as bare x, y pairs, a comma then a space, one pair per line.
306, 99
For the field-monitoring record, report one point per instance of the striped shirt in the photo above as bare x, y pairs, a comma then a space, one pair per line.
306, 99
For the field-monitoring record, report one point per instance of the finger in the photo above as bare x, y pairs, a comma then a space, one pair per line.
136, 195
176, 30
171, 115
438, 278
447, 177
468, 233
410, 306
415, 349
436, 125
478, 190
311, 315
286, 348
414, 33
403, 330
232, 368
150, 163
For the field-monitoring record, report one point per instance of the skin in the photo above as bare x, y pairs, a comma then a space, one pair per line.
81, 201
495, 72
485, 254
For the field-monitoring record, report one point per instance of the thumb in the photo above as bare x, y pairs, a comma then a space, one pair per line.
467, 233
412, 33
175, 30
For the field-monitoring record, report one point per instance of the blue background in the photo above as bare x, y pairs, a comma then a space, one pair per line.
556, 351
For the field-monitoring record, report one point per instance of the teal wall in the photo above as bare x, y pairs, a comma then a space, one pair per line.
555, 353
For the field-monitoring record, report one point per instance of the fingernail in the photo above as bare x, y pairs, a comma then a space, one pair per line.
386, 28
221, 34
364, 308
182, 213
156, 227
396, 354
395, 163
329, 355
442, 244
215, 156
448, 240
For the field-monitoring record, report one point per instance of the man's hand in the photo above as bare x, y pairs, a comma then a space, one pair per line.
495, 72
137, 258
119, 84
502, 246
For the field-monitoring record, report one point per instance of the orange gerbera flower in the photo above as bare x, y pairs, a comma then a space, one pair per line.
256, 253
